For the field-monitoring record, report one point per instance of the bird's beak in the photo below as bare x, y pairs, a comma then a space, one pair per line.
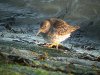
38, 32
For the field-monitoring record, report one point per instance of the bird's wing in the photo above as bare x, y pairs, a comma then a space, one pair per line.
60, 27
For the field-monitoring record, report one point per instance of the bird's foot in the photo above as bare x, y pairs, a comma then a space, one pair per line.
54, 45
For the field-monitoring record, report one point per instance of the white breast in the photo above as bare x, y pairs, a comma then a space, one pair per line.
60, 38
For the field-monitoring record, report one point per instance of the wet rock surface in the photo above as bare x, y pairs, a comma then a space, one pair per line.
49, 59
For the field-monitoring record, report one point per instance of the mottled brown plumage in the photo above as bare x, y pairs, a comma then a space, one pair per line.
56, 30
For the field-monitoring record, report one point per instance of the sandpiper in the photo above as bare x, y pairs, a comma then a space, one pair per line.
56, 30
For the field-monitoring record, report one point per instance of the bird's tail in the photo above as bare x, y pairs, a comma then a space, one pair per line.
74, 28
77, 27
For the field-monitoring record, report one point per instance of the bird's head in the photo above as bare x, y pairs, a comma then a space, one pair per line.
44, 27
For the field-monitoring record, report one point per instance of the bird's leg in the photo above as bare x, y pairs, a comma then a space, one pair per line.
57, 46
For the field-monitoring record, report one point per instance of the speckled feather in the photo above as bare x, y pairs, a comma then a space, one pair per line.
60, 27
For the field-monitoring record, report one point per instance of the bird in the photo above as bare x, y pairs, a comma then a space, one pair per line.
55, 31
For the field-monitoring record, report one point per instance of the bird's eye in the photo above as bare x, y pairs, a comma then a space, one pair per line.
45, 26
